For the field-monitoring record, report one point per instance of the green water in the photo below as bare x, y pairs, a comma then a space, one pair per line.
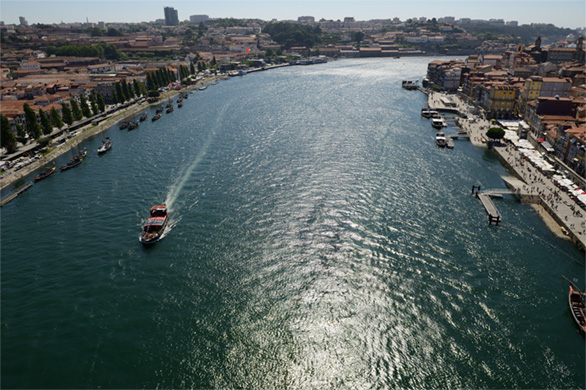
318, 239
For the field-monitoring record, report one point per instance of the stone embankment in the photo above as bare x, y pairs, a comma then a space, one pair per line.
560, 212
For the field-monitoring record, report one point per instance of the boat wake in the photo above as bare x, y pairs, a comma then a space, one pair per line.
184, 176
172, 223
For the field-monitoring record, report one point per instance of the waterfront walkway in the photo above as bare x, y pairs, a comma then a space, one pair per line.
532, 186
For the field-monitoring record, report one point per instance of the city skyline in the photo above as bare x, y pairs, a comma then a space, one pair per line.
567, 13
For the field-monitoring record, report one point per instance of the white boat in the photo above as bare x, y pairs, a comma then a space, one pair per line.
438, 123
106, 145
440, 139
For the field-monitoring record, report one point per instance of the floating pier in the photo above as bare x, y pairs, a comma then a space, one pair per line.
13, 195
485, 199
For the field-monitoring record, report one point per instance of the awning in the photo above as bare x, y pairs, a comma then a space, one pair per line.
540, 140
547, 146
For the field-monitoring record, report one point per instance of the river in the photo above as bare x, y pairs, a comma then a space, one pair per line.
318, 239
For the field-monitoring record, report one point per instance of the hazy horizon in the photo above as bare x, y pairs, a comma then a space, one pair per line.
566, 13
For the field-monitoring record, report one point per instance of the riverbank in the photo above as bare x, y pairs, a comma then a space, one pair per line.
561, 214
89, 131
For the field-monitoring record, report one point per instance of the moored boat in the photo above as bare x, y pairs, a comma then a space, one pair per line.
143, 117
124, 125
75, 161
106, 145
438, 123
45, 174
132, 126
170, 110
155, 226
427, 113
440, 139
576, 301
156, 117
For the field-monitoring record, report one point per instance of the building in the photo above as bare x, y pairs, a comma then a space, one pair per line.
306, 19
498, 100
553, 86
196, 19
171, 16
23, 22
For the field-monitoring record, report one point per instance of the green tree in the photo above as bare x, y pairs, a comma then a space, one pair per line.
31, 122
358, 37
100, 102
136, 87
56, 118
67, 114
46, 125
114, 93
85, 109
77, 114
7, 139
495, 133
119, 94
93, 104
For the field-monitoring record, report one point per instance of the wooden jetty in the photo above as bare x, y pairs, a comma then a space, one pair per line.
14, 194
485, 199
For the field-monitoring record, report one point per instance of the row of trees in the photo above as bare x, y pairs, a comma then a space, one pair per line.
124, 91
162, 77
102, 50
42, 124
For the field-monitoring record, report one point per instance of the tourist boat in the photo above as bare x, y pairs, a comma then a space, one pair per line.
427, 113
156, 117
143, 117
438, 123
170, 110
154, 226
45, 174
106, 145
409, 85
75, 161
180, 104
132, 126
440, 139
159, 110
576, 301
124, 125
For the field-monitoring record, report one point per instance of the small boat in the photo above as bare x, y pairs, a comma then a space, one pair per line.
180, 104
427, 113
438, 123
409, 85
155, 225
45, 174
106, 145
159, 110
143, 117
576, 301
75, 161
203, 88
132, 126
124, 125
156, 117
440, 139
170, 110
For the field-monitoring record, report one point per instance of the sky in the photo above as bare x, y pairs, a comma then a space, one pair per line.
562, 13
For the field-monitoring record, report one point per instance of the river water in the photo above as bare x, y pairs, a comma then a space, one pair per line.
319, 239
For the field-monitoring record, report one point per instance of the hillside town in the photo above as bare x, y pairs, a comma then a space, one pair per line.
56, 76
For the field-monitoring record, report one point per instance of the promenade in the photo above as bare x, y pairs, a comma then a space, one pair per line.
11, 175
554, 205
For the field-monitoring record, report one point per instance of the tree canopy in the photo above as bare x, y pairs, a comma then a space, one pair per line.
293, 34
